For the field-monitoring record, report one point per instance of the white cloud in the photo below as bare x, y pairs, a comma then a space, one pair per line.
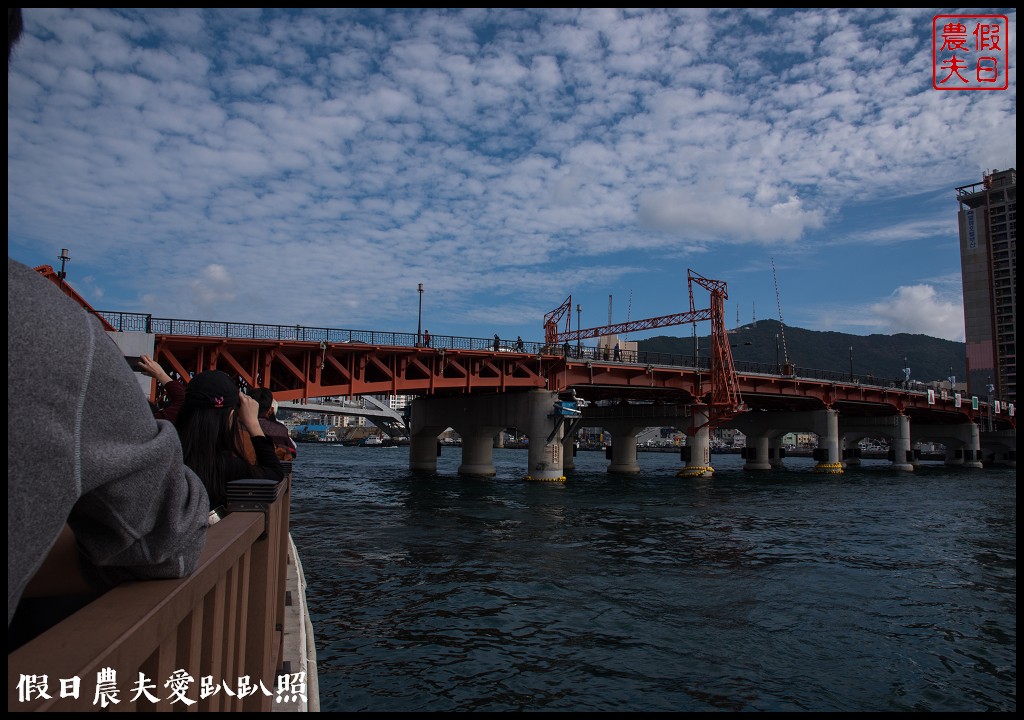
508, 154
214, 287
694, 213
919, 309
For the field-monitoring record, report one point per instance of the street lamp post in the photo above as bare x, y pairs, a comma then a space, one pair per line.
851, 363
990, 389
579, 310
63, 257
777, 353
419, 318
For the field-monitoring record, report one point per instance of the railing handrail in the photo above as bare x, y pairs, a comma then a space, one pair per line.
223, 621
143, 322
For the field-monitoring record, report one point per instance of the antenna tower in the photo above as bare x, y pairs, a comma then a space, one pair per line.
629, 311
782, 325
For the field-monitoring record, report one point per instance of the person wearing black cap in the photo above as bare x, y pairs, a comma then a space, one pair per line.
212, 424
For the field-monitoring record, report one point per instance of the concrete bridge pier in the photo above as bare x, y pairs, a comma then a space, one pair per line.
756, 453
623, 446
477, 451
850, 448
962, 441
999, 447
569, 452
768, 428
423, 450
425, 426
545, 456
776, 452
478, 419
827, 428
900, 433
698, 442
954, 456
972, 448
900, 445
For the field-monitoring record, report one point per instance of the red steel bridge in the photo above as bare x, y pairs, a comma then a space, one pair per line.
300, 363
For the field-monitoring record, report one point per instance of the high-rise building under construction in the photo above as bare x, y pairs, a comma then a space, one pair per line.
988, 262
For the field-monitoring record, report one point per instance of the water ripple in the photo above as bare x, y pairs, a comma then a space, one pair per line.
791, 592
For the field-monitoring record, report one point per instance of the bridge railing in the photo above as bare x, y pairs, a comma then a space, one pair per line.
141, 322
223, 622
127, 322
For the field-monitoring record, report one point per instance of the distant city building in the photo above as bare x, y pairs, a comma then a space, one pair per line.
988, 262
400, 402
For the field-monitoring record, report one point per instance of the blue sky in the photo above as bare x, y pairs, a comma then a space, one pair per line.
313, 166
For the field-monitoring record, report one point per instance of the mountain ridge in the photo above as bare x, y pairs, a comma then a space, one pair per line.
883, 356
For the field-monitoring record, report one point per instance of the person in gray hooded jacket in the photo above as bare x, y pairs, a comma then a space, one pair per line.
84, 452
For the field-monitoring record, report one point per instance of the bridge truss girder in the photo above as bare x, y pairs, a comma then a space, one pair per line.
296, 370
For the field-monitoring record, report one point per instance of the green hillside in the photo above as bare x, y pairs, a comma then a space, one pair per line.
879, 355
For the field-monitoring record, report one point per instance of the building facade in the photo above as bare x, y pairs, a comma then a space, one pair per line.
988, 262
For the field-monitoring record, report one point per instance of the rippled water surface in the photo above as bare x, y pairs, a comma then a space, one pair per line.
788, 590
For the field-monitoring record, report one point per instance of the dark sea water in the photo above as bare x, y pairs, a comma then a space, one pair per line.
787, 590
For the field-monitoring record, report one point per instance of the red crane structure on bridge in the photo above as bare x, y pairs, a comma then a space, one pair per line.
725, 401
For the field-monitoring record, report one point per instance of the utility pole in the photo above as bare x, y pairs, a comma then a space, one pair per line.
63, 257
419, 318
990, 388
579, 310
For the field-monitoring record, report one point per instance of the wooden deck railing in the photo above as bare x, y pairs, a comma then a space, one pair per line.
217, 626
